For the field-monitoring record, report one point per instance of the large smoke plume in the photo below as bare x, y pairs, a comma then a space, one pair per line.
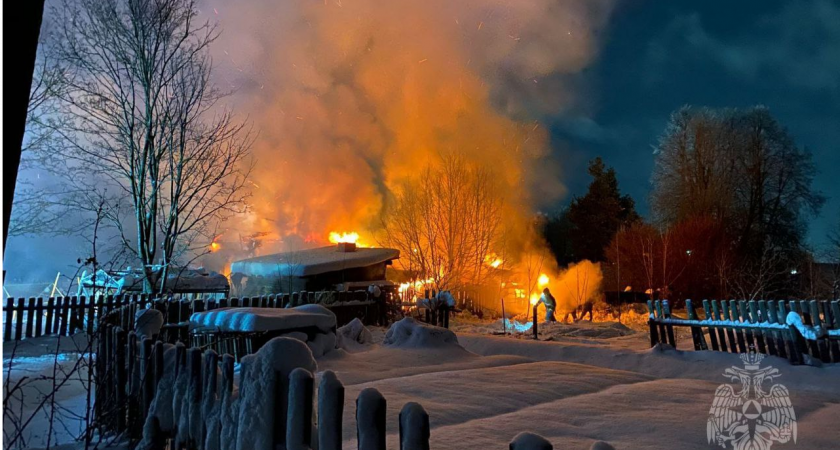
351, 96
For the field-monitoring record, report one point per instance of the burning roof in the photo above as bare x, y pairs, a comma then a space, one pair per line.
304, 263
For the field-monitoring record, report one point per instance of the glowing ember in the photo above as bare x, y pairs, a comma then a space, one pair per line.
534, 298
214, 246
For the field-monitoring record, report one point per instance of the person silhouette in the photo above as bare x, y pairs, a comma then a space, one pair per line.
550, 305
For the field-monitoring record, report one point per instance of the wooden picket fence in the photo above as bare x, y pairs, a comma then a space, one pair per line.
61, 316
36, 317
129, 373
737, 326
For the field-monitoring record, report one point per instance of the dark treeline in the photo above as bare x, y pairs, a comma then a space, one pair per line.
730, 202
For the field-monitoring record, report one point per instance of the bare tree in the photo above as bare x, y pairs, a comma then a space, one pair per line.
446, 221
36, 207
145, 126
761, 275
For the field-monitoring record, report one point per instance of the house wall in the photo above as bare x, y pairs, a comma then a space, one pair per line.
258, 285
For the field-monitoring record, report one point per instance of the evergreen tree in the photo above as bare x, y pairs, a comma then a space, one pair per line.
597, 216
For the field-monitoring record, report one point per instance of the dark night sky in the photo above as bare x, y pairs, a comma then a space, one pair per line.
659, 55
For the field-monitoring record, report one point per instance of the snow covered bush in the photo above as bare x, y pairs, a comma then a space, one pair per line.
408, 333
353, 335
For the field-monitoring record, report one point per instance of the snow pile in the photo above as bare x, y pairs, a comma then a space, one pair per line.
811, 333
517, 326
148, 323
354, 335
265, 319
408, 333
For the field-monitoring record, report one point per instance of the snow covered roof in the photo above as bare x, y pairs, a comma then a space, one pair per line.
265, 319
178, 280
315, 261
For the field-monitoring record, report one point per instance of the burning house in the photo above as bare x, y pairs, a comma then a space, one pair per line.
342, 267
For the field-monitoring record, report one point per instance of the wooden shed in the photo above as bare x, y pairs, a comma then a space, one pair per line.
339, 267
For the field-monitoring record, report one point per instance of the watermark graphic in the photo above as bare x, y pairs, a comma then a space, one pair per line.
751, 418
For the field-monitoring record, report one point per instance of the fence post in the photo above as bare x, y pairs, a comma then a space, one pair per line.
211, 362
778, 336
654, 334
370, 419
707, 308
330, 411
299, 413
39, 313
147, 375
48, 326
536, 331
696, 332
504, 318
194, 397
822, 341
669, 329
530, 441
134, 423
19, 311
414, 427
751, 313
153, 434
120, 377
157, 353
227, 373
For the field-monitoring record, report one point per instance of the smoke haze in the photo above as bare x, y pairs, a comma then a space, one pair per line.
352, 96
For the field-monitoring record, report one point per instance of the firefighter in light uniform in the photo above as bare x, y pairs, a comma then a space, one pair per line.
550, 305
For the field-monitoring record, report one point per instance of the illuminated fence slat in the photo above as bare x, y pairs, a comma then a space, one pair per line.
792, 329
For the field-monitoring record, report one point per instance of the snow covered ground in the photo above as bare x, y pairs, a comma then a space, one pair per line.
575, 389
589, 382
38, 369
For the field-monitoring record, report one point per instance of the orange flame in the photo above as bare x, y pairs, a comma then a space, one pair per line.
493, 261
349, 237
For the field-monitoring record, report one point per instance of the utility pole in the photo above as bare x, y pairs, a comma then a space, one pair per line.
20, 46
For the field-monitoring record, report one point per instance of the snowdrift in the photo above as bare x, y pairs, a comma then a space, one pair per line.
408, 333
354, 335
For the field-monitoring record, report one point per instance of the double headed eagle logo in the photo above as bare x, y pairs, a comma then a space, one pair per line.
752, 418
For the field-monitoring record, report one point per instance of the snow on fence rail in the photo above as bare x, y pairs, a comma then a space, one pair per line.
794, 329
35, 317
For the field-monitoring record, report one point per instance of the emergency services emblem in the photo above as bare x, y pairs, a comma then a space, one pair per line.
751, 418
